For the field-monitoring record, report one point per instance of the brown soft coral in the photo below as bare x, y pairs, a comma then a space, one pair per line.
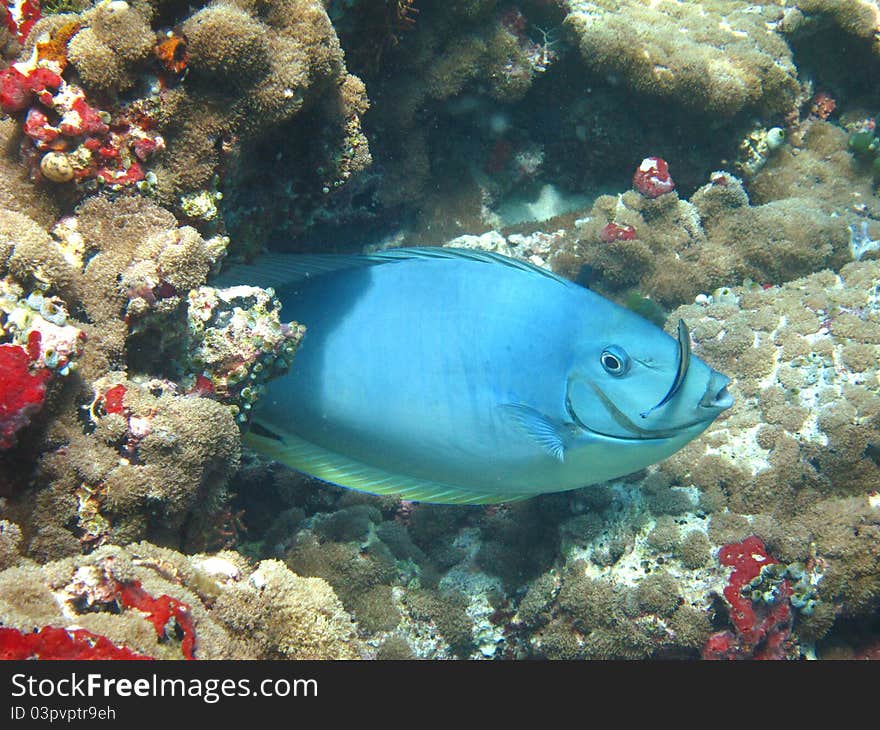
682, 249
719, 57
124, 268
236, 611
17, 193
227, 45
246, 72
114, 40
803, 423
288, 617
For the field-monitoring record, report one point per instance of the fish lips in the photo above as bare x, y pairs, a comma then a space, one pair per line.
716, 398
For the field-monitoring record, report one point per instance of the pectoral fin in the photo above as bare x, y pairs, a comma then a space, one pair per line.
540, 428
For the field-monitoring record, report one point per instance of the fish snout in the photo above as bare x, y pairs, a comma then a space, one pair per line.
716, 398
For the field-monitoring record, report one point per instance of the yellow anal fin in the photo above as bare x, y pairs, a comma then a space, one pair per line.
337, 469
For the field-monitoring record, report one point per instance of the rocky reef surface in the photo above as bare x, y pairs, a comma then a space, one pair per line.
713, 161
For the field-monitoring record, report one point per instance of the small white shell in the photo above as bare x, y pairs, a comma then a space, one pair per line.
775, 138
56, 167
218, 567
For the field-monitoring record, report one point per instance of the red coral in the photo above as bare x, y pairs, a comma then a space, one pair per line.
84, 120
17, 89
747, 558
113, 399
160, 612
58, 643
203, 386
28, 12
22, 391
133, 174
52, 642
145, 147
14, 92
41, 79
614, 232
34, 345
652, 178
763, 630
38, 128
119, 145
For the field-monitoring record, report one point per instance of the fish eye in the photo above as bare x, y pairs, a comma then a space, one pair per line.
615, 360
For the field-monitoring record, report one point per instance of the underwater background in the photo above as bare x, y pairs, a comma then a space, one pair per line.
712, 161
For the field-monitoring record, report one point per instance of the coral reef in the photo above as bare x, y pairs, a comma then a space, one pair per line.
804, 359
853, 17
720, 56
639, 569
142, 143
652, 178
125, 379
51, 642
142, 601
165, 369
671, 250
506, 581
457, 71
796, 457
40, 344
764, 633
111, 99
678, 249
237, 343
623, 589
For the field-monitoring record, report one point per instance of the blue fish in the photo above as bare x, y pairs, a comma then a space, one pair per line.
455, 376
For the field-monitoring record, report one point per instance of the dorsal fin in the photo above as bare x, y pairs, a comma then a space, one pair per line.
280, 270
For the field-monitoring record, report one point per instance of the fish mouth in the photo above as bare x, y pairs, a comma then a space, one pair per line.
717, 398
